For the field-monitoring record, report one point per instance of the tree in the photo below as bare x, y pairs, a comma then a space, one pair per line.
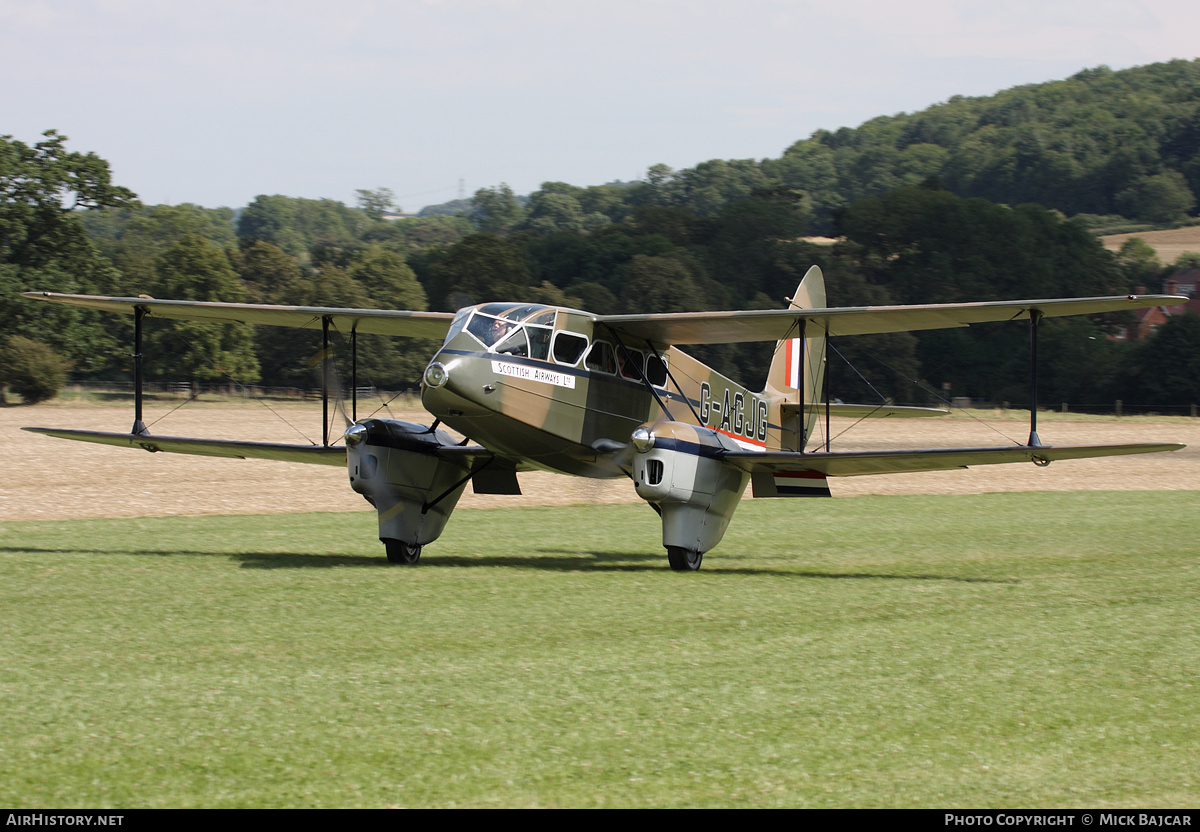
41, 187
388, 280
43, 245
660, 284
1165, 368
930, 246
376, 203
272, 219
744, 240
133, 237
482, 267
865, 368
495, 210
31, 369
1139, 262
300, 225
267, 272
659, 175
1077, 363
195, 269
416, 233
555, 207
292, 356
1162, 198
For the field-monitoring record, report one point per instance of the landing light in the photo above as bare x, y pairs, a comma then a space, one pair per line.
436, 374
643, 439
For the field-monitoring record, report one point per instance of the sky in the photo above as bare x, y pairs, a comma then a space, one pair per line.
216, 102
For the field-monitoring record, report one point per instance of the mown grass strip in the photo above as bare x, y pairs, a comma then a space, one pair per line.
993, 650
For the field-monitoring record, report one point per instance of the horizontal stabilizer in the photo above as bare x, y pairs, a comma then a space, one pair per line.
235, 449
789, 484
858, 463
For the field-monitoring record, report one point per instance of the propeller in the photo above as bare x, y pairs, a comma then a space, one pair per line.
316, 362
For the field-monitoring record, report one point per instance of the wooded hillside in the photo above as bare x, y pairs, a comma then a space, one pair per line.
966, 200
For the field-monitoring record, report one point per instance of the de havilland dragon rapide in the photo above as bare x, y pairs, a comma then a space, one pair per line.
537, 387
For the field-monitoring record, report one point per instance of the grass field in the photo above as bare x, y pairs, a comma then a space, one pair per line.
952, 651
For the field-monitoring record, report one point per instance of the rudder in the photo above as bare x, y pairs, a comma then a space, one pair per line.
797, 367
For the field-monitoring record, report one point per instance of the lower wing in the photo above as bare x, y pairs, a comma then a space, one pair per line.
784, 474
235, 449
858, 463
239, 449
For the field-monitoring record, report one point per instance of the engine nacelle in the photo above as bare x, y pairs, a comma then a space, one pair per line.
678, 468
396, 467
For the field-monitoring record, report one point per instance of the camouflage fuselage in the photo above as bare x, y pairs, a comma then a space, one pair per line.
567, 393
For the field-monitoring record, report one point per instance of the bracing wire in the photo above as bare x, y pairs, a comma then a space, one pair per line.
240, 386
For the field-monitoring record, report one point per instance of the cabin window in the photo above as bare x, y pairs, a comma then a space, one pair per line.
539, 341
631, 362
601, 358
527, 342
513, 311
460, 320
568, 348
514, 344
656, 371
497, 325
489, 330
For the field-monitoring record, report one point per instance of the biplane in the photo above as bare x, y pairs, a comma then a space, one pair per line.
558, 389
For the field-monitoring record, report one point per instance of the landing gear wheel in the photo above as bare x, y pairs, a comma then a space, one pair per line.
400, 552
683, 560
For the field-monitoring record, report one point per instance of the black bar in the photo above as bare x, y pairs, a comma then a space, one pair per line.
803, 327
325, 381
825, 359
425, 508
354, 373
645, 381
682, 394
139, 427
1035, 315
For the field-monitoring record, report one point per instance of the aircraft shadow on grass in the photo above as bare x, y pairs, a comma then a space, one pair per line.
566, 561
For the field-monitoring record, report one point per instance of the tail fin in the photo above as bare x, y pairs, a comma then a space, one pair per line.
797, 370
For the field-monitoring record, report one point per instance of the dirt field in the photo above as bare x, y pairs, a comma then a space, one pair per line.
1169, 244
48, 478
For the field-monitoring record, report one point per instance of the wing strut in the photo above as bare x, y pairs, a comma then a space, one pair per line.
802, 326
825, 358
641, 374
354, 373
139, 427
1035, 315
682, 394
325, 381
425, 507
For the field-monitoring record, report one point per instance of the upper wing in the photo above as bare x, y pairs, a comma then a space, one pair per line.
372, 321
670, 328
777, 324
858, 463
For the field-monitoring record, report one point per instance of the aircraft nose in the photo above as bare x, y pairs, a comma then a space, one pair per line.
436, 374
440, 395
